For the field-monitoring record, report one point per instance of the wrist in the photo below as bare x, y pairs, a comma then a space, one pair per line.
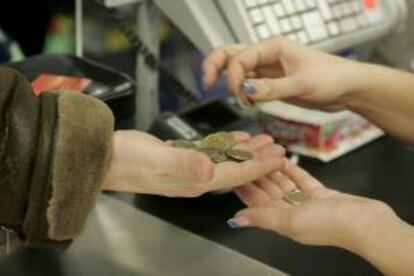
110, 179
375, 222
354, 82
364, 82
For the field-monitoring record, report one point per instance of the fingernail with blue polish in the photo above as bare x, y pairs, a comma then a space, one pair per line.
238, 222
248, 87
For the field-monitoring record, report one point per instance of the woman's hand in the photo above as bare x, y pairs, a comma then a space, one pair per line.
328, 217
279, 68
142, 163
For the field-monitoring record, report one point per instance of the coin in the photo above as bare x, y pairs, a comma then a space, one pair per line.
295, 197
217, 155
222, 140
239, 155
217, 146
184, 144
220, 158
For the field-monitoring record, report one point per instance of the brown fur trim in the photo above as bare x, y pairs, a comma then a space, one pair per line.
83, 147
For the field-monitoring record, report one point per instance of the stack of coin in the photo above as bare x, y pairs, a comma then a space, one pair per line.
218, 146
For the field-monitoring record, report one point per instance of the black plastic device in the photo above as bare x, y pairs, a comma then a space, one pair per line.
113, 87
216, 115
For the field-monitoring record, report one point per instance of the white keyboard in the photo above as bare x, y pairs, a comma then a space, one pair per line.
310, 21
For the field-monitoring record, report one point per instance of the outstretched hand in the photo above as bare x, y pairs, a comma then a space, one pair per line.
328, 217
142, 163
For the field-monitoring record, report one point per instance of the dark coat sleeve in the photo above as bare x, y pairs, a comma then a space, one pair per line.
54, 153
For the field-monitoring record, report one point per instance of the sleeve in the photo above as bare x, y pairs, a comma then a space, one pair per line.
54, 153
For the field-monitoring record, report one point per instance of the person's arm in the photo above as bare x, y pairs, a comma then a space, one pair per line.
385, 96
366, 227
280, 69
54, 154
57, 152
388, 244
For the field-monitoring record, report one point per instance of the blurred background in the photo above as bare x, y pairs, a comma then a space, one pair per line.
47, 26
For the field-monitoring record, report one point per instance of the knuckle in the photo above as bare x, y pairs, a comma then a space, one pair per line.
227, 48
238, 57
281, 150
265, 138
235, 58
278, 40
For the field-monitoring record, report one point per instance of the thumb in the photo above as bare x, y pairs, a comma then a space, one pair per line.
270, 89
265, 217
187, 164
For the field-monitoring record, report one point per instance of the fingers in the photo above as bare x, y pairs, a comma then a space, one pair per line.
271, 71
217, 61
251, 195
195, 166
261, 54
301, 178
268, 217
271, 89
267, 159
256, 143
240, 136
269, 187
284, 182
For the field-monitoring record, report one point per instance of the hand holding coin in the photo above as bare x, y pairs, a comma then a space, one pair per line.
142, 163
295, 204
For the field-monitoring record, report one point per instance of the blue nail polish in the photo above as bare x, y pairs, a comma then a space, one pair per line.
233, 224
236, 223
248, 87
